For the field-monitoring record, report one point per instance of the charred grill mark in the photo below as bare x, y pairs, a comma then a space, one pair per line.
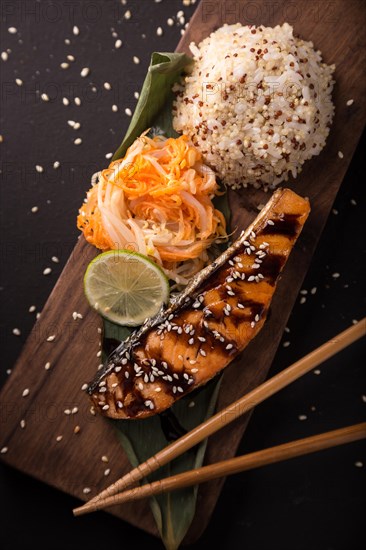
271, 267
217, 317
287, 225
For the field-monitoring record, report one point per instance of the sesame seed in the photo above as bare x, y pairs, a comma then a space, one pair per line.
45, 97
16, 332
127, 14
107, 86
56, 164
47, 365
22, 423
75, 30
118, 44
104, 459
34, 209
31, 309
340, 154
350, 102
107, 471
84, 72
170, 22
114, 108
59, 438
65, 101
77, 101
302, 300
313, 290
194, 370
159, 31
70, 57
229, 346
18, 82
317, 371
128, 111
336, 275
191, 404
120, 404
25, 392
203, 353
12, 30
76, 429
86, 490
359, 464
302, 417
67, 412
4, 450
47, 271
105, 407
64, 65
363, 397
136, 60
4, 56
74, 410
286, 344
78, 141
51, 338
99, 353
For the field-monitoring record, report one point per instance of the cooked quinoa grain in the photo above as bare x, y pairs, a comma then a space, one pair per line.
257, 103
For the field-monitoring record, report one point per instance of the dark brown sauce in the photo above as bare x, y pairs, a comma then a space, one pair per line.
271, 267
288, 225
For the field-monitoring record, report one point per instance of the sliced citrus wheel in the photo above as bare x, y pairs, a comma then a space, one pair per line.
125, 287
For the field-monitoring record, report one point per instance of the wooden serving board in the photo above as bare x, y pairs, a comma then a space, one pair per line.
336, 28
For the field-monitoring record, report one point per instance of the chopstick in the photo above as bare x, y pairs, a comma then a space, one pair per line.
257, 459
235, 410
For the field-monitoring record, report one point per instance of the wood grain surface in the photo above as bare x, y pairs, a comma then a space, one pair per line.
74, 462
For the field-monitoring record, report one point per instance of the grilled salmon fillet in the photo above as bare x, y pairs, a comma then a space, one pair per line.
206, 325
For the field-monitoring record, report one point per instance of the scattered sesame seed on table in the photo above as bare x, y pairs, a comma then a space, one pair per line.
89, 72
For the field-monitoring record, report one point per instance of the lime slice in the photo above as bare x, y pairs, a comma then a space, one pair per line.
125, 287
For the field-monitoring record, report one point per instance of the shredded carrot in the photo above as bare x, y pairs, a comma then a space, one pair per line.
157, 200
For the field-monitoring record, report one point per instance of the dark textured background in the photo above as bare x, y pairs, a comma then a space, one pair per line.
315, 502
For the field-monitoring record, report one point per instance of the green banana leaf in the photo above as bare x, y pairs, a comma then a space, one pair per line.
173, 512
154, 107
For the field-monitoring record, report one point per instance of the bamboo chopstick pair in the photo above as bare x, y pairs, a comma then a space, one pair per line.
117, 494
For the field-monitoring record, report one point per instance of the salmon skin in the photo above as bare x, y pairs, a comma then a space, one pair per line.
205, 326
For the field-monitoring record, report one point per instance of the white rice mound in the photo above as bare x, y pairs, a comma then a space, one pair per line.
257, 103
